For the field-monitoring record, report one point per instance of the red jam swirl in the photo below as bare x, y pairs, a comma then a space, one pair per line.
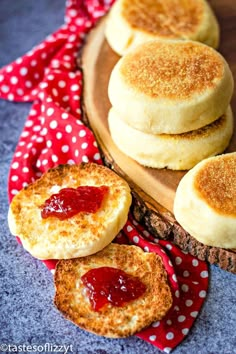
70, 201
107, 285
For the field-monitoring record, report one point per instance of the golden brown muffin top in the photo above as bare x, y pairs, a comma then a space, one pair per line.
215, 182
204, 132
166, 18
174, 70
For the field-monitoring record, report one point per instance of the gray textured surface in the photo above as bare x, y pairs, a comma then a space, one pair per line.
27, 315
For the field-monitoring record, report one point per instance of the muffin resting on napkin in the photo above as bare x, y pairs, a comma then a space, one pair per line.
71, 211
116, 309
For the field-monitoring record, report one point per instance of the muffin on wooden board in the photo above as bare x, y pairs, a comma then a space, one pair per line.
173, 151
205, 201
170, 87
132, 22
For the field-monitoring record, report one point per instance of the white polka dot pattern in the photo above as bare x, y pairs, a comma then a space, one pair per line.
54, 134
181, 278
46, 144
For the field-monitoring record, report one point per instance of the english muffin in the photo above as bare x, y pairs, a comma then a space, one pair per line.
132, 22
205, 201
81, 234
72, 296
173, 151
170, 87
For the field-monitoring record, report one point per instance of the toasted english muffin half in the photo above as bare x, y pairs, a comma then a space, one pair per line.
170, 87
173, 151
132, 22
111, 321
77, 236
205, 201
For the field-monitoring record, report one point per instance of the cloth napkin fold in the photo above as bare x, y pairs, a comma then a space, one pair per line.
55, 134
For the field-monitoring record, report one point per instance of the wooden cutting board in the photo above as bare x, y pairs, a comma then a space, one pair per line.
154, 189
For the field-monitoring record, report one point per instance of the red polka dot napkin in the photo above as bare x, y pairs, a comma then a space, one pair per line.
55, 134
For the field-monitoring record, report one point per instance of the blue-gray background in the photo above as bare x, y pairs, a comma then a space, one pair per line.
27, 314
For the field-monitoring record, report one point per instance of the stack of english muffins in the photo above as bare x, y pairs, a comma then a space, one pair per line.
170, 97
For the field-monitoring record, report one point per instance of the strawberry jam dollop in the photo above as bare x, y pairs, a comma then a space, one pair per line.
107, 285
70, 201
